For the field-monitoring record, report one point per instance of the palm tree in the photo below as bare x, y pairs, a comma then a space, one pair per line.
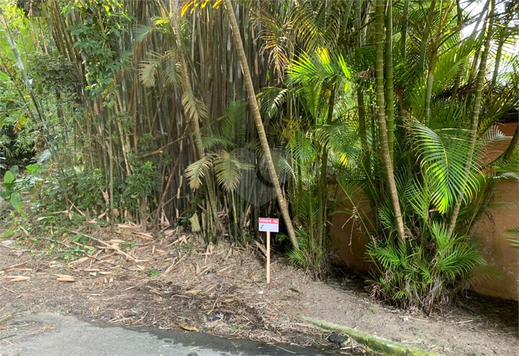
259, 124
382, 126
476, 110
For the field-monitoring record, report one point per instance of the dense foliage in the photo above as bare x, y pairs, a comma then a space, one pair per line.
140, 111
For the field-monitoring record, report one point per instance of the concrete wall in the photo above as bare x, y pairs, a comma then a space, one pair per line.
351, 242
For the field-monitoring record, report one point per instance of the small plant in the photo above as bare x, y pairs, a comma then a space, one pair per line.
128, 245
10, 191
422, 272
154, 272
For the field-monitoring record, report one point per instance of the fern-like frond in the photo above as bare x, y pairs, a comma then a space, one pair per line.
443, 159
141, 32
148, 69
233, 128
513, 236
228, 170
194, 108
302, 148
196, 171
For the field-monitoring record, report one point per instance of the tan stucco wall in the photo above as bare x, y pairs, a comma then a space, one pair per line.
497, 250
490, 229
350, 242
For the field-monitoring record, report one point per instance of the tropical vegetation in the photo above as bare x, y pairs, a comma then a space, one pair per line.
210, 114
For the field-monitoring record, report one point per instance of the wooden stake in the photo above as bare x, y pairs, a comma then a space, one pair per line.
268, 256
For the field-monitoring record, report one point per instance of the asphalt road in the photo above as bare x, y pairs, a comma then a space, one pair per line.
56, 335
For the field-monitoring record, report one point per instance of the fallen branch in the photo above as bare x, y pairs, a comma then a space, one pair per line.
108, 246
375, 343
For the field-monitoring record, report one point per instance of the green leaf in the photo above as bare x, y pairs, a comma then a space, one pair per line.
16, 202
4, 77
33, 168
15, 170
443, 155
9, 177
76, 238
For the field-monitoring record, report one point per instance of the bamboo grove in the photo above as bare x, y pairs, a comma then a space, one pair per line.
210, 114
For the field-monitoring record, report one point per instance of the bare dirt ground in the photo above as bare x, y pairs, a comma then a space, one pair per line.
174, 282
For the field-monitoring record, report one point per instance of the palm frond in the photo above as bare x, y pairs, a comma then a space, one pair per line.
233, 128
194, 108
196, 171
513, 236
228, 170
148, 69
443, 160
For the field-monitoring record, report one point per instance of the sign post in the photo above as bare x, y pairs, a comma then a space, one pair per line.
268, 225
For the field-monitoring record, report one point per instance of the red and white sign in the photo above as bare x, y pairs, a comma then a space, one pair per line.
268, 224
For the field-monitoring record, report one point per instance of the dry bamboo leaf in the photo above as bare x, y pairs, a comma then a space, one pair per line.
18, 278
188, 328
64, 276
170, 268
115, 241
209, 289
78, 262
262, 249
205, 269
14, 266
223, 270
62, 279
24, 231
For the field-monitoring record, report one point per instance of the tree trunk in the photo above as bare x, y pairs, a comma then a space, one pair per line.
511, 147
477, 109
403, 31
259, 124
382, 128
499, 53
323, 191
360, 93
390, 105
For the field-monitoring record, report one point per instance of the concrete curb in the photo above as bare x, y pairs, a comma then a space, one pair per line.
372, 342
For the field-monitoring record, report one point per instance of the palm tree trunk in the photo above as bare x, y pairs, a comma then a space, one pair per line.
429, 88
425, 37
390, 105
323, 191
382, 128
259, 124
477, 109
499, 54
403, 31
360, 92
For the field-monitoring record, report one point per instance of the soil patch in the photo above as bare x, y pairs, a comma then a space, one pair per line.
173, 281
